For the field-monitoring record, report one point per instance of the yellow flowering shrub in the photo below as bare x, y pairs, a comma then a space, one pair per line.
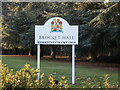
27, 78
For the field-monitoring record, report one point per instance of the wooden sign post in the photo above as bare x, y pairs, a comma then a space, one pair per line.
56, 31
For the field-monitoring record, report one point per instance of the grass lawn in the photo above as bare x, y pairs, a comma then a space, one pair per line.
83, 74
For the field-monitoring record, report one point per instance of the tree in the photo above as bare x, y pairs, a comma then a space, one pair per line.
108, 23
105, 28
98, 25
13, 25
80, 14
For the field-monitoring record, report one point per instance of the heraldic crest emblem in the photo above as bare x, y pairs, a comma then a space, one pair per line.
56, 25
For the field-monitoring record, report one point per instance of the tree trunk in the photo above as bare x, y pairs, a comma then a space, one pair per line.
16, 51
30, 52
93, 57
11, 52
93, 54
61, 50
41, 51
53, 52
70, 57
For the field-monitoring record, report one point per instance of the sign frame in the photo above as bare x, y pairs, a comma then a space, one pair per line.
66, 27
55, 33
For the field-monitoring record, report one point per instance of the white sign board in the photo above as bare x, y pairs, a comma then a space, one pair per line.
56, 31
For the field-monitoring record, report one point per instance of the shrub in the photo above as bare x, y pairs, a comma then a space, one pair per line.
27, 78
